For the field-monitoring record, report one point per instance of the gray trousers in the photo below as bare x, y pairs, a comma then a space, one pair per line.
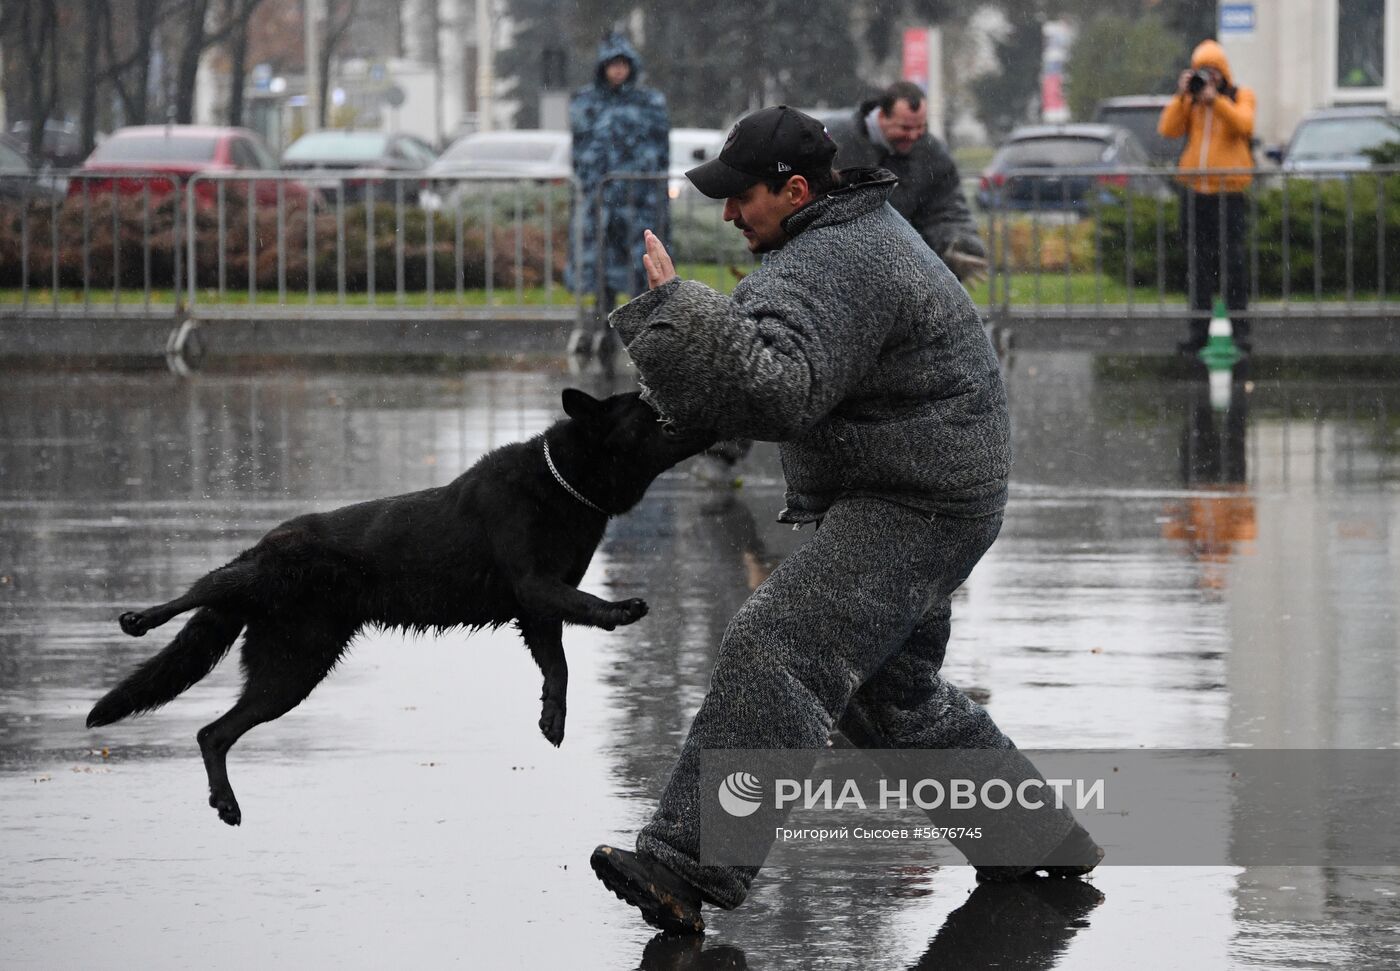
848, 632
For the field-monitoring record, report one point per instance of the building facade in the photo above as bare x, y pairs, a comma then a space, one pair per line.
412, 66
1299, 55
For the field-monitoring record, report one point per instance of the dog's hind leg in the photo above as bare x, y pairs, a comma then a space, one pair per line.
546, 642
282, 663
211, 590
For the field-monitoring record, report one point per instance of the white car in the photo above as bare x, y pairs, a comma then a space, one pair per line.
690, 147
548, 155
1332, 141
532, 155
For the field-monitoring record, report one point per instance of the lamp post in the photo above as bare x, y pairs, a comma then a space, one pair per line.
485, 69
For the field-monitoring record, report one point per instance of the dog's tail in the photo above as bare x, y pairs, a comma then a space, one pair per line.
193, 653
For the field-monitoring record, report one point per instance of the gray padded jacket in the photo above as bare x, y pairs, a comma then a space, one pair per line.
853, 346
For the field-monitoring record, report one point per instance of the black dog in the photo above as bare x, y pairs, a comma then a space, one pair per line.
509, 539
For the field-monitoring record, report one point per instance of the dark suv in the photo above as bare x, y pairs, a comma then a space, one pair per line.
1139, 113
1070, 168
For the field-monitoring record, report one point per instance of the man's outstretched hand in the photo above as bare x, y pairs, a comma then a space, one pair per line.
657, 261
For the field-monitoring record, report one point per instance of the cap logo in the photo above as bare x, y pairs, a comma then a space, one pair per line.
784, 167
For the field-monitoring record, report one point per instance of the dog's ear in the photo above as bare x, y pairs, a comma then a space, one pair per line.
581, 405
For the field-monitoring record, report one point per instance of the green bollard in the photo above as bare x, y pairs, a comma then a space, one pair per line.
1220, 351
1220, 356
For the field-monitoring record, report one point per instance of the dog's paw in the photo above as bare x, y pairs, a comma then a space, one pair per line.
552, 722
626, 612
132, 624
227, 807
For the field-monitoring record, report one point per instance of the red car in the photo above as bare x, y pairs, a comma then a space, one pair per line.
168, 155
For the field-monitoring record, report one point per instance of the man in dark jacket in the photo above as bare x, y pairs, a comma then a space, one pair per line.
854, 347
891, 132
618, 126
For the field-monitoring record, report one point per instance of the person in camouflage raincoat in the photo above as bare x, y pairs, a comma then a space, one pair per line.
618, 126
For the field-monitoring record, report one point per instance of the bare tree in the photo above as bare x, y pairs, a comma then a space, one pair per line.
237, 73
339, 17
38, 40
237, 13
93, 16
131, 75
195, 38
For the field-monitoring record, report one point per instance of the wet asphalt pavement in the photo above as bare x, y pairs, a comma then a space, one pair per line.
1171, 574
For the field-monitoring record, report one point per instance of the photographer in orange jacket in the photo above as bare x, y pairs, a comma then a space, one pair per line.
1217, 118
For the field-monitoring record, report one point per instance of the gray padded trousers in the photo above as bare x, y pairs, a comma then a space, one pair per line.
848, 632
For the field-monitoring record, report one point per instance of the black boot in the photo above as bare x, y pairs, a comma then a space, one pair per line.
1076, 856
666, 901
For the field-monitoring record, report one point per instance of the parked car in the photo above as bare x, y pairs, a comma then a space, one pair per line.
62, 144
21, 179
690, 147
165, 156
506, 155
359, 158
1335, 139
1075, 166
1139, 114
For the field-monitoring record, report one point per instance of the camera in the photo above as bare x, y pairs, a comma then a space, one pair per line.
1198, 80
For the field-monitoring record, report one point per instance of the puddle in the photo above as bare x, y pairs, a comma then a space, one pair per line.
1171, 574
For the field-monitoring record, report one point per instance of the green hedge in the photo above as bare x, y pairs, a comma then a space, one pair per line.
1315, 214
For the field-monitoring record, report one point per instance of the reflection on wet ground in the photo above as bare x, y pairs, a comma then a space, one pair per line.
1174, 572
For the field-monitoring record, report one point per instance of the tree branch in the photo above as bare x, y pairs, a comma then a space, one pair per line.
235, 21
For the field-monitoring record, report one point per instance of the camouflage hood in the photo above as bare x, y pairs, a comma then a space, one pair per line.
614, 46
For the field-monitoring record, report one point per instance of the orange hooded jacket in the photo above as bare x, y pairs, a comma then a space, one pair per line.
1217, 135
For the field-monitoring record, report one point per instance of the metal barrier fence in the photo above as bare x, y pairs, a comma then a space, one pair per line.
86, 235
393, 245
289, 244
1095, 243
1082, 243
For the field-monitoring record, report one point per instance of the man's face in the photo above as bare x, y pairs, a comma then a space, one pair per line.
617, 71
903, 125
759, 213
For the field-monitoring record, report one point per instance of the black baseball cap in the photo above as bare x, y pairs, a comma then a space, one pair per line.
771, 143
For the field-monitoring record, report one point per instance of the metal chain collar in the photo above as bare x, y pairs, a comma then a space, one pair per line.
568, 488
